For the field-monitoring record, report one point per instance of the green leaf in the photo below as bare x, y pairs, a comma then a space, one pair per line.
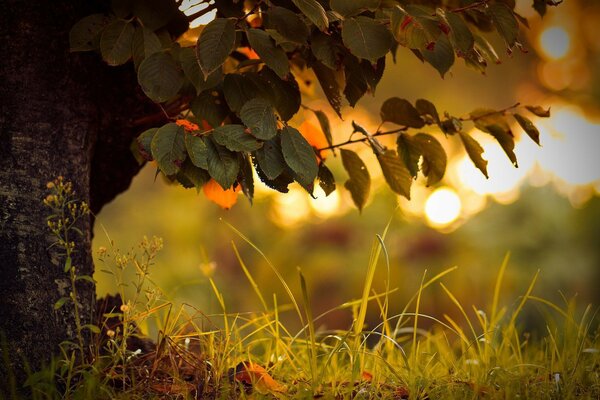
115, 42
68, 264
299, 155
539, 111
324, 49
409, 151
528, 127
540, 6
356, 84
265, 47
168, 148
416, 31
211, 107
330, 86
191, 69
246, 177
144, 142
460, 34
85, 34
349, 8
223, 165
366, 38
395, 173
192, 176
235, 138
426, 108
474, 151
441, 56
505, 22
287, 23
92, 328
270, 158
401, 112
197, 151
325, 126
286, 93
155, 14
61, 302
145, 43
314, 11
359, 182
239, 89
215, 43
258, 115
326, 179
506, 140
434, 158
160, 77
86, 278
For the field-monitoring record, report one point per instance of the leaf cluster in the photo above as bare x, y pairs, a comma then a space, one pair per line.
233, 93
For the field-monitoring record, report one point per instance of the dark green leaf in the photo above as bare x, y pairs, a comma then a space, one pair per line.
506, 140
348, 8
359, 182
314, 11
356, 84
324, 49
528, 127
196, 149
235, 138
246, 177
425, 108
191, 69
486, 50
223, 165
215, 43
145, 143
145, 43
287, 23
460, 34
416, 31
239, 89
409, 152
265, 47
540, 6
441, 56
401, 112
505, 22
280, 183
160, 77
86, 278
326, 179
155, 14
258, 115
395, 173
330, 86
434, 158
270, 158
539, 111
211, 107
115, 42
325, 126
168, 148
474, 151
192, 176
372, 73
366, 38
299, 155
286, 94
92, 328
85, 34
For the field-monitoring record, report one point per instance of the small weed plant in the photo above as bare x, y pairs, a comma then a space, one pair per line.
483, 354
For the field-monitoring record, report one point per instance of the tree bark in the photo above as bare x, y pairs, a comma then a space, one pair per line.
61, 114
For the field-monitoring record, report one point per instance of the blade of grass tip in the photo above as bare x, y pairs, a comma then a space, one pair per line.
386, 302
249, 276
464, 314
312, 348
416, 323
279, 276
524, 299
221, 301
499, 279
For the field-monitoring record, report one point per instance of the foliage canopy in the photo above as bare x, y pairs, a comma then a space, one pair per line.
231, 95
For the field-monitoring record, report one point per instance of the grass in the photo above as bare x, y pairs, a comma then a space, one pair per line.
483, 354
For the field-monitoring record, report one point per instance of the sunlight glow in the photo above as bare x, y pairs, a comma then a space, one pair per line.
290, 208
190, 7
442, 207
555, 42
326, 206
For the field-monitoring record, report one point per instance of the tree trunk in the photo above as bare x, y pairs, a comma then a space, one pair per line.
61, 114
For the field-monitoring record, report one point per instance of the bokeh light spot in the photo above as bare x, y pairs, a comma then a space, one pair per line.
555, 42
442, 207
